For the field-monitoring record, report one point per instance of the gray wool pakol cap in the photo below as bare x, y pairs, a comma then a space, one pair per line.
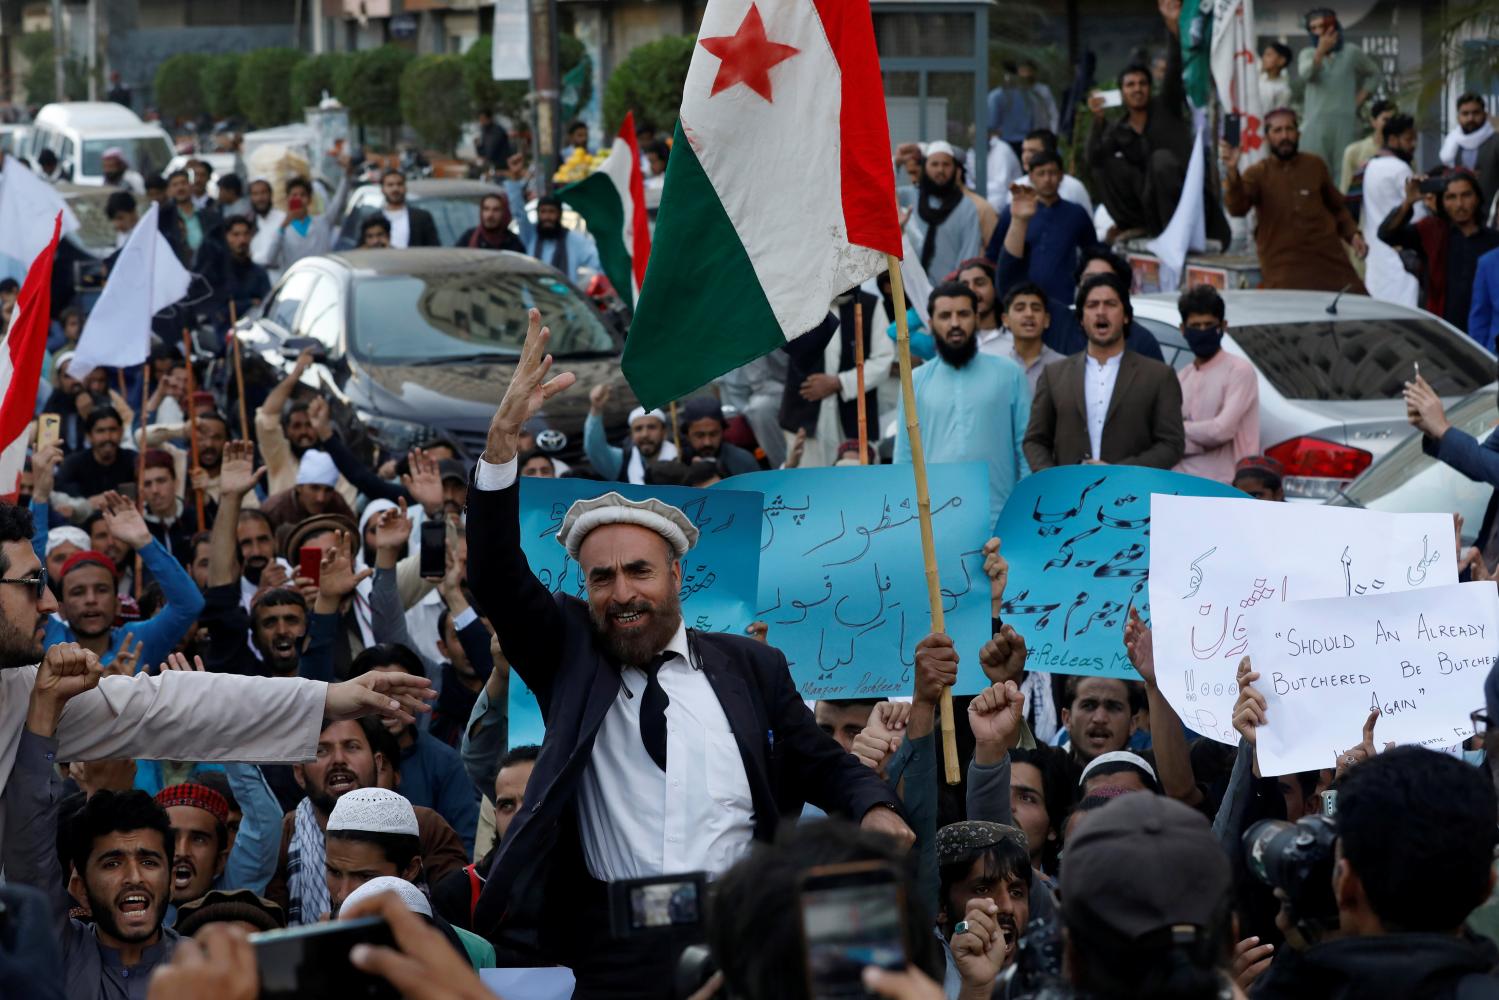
612, 508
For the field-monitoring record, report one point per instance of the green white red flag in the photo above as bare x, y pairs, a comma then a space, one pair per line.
612, 201
779, 193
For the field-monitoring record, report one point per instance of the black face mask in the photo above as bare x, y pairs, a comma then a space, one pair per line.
1204, 343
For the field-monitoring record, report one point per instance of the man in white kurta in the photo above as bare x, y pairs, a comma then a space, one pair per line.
1384, 190
175, 715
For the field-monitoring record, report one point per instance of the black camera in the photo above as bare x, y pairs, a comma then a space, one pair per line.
1296, 858
1435, 185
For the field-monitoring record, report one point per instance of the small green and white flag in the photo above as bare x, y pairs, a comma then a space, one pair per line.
779, 193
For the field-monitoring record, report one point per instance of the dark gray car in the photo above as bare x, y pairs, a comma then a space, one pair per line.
421, 343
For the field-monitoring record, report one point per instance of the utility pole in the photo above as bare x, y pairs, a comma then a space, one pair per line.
545, 84
59, 52
93, 50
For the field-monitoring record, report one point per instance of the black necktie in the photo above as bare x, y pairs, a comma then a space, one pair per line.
653, 712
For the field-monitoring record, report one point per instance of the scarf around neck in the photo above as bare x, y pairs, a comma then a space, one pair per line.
1468, 142
948, 199
306, 863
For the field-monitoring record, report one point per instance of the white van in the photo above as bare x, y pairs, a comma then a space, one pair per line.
80, 131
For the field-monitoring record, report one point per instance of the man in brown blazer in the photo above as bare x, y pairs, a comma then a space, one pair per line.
1105, 405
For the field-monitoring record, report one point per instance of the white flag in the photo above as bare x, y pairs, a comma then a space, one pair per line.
1187, 229
1236, 74
28, 212
147, 278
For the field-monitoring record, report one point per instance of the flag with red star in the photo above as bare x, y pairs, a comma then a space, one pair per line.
779, 192
1236, 72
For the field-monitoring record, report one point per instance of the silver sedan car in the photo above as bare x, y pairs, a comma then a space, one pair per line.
1331, 370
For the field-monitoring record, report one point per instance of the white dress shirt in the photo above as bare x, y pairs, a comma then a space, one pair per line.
400, 226
635, 820
1098, 388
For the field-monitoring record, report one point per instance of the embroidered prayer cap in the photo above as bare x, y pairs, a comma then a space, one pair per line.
373, 810
219, 906
190, 793
958, 840
641, 413
317, 469
611, 508
416, 901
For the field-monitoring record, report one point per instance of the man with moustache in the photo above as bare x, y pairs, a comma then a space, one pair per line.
349, 756
647, 442
199, 818
548, 239
1106, 405
666, 750
1384, 190
973, 407
1449, 246
1303, 222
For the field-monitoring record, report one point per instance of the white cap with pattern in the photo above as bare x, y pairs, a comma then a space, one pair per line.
373, 810
416, 901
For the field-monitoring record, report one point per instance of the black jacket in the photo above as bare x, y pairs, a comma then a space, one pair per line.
787, 759
1392, 967
423, 229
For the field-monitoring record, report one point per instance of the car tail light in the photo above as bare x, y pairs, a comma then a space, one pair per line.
1317, 469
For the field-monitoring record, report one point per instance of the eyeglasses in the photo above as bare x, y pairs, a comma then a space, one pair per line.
38, 584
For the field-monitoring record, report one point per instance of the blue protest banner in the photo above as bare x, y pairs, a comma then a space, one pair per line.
1077, 538
842, 585
719, 575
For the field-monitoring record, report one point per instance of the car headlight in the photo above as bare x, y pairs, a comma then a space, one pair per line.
394, 435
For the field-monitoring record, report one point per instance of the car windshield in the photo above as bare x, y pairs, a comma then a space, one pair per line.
146, 155
94, 228
1409, 481
453, 216
406, 319
1363, 359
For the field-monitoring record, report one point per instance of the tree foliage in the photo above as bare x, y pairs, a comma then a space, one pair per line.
435, 100
369, 85
264, 97
220, 82
179, 87
503, 97
649, 82
315, 75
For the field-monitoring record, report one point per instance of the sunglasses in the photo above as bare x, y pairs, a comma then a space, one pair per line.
38, 583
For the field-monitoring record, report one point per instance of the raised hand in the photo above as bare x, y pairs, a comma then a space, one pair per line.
995, 716
997, 569
1364, 751
979, 952
528, 391
392, 694
1140, 645
936, 667
1023, 202
393, 528
237, 472
1229, 155
44, 471
1424, 409
126, 658
1250, 960
336, 576
424, 481
1249, 710
66, 671
1413, 189
455, 571
124, 521
321, 418
1003, 656
598, 398
177, 661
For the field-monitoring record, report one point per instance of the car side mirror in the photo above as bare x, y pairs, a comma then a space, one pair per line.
291, 347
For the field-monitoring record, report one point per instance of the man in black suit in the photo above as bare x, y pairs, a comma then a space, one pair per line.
409, 226
667, 750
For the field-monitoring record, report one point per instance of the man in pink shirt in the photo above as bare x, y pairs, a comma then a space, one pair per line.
1220, 392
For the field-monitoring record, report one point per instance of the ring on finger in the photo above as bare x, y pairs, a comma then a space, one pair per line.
961, 927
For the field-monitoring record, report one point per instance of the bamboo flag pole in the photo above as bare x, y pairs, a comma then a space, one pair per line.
192, 421
859, 367
239, 374
676, 435
923, 504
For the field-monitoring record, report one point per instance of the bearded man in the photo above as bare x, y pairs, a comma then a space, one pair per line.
944, 224
667, 750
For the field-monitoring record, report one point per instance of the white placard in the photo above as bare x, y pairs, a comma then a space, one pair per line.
511, 58
528, 984
1421, 657
1213, 560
